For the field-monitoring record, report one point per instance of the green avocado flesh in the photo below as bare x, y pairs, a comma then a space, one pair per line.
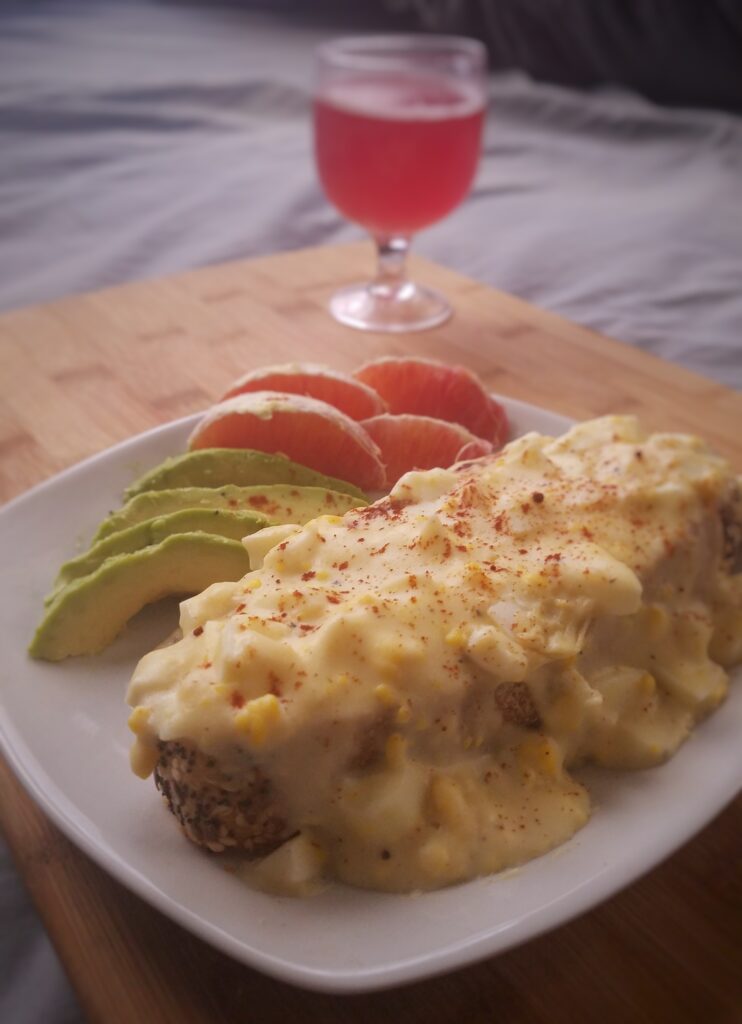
218, 521
243, 467
90, 612
280, 503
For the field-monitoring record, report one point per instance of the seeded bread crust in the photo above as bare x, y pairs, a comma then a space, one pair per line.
218, 809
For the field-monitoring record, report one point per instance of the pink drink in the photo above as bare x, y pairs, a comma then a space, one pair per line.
397, 153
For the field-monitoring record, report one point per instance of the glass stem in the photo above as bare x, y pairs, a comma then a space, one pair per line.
391, 276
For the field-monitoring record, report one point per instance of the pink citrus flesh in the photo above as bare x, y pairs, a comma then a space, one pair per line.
303, 429
424, 387
473, 449
420, 442
350, 396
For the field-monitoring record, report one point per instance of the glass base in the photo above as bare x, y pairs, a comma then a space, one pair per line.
374, 307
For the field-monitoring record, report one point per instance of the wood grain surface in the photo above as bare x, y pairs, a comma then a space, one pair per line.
85, 372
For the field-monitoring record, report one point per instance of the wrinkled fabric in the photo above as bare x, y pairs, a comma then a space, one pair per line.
677, 52
143, 138
33, 987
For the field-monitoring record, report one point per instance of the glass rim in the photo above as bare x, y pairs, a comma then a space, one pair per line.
377, 51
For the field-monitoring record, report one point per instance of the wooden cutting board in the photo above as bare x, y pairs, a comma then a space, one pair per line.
87, 371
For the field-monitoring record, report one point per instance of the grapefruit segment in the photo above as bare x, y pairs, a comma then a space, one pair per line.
424, 387
474, 450
350, 396
304, 429
502, 426
421, 442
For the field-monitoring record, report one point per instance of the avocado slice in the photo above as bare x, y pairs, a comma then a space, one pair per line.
280, 503
90, 612
243, 467
219, 521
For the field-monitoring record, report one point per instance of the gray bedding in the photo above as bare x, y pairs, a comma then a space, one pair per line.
141, 138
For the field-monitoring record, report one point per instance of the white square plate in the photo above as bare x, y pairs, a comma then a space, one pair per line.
63, 729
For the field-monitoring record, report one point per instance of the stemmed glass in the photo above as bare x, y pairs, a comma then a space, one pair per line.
397, 132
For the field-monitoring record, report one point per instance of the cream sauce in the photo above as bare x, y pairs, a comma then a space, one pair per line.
417, 677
